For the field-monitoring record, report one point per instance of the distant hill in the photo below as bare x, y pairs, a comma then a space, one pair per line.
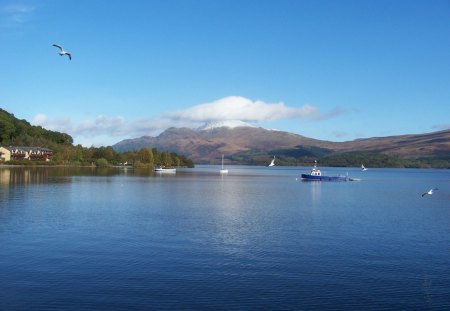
252, 145
21, 133
430, 145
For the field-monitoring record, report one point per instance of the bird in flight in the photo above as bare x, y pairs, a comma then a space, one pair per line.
62, 52
430, 192
272, 163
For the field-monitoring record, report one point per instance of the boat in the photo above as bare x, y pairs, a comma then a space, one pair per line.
316, 175
363, 168
223, 170
272, 163
161, 169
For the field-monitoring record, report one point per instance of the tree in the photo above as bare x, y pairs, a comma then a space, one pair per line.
7, 130
145, 156
166, 158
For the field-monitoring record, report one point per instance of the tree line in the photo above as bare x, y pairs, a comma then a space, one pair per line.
303, 156
106, 156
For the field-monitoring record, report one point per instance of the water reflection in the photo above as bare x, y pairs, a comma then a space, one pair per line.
315, 191
39, 175
23, 175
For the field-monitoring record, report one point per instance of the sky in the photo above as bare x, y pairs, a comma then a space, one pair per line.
334, 70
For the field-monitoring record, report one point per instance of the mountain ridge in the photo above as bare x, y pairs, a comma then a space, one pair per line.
204, 145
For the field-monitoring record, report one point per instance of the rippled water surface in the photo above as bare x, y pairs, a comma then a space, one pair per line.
255, 239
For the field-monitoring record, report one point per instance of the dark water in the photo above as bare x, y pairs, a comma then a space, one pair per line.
256, 239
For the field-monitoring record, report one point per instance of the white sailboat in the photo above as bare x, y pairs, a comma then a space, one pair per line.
272, 163
223, 170
363, 168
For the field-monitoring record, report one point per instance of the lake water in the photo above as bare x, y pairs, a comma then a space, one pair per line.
255, 239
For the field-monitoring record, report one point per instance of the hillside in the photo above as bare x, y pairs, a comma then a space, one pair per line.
430, 145
248, 143
21, 133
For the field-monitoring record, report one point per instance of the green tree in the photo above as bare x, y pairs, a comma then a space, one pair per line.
166, 159
102, 162
145, 155
7, 130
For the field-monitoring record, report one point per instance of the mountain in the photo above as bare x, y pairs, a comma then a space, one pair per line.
244, 143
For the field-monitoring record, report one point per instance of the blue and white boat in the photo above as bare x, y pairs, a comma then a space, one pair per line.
316, 175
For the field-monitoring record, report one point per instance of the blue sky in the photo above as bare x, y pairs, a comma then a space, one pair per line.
332, 70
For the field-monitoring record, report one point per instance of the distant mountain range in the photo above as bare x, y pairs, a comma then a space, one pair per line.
241, 143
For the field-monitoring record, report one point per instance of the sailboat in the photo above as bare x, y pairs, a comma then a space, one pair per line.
223, 170
272, 163
363, 168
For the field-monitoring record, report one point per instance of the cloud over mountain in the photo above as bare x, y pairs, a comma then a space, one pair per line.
241, 108
227, 108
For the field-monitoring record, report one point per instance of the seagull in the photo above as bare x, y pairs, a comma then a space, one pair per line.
363, 168
430, 192
62, 52
273, 162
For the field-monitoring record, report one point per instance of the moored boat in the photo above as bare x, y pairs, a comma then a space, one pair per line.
316, 175
223, 170
354, 179
165, 170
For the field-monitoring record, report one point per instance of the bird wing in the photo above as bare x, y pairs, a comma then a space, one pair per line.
58, 46
70, 55
424, 194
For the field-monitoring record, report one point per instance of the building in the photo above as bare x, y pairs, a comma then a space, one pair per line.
5, 155
13, 153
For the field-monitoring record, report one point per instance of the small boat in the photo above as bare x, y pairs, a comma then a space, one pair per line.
363, 168
272, 163
161, 169
316, 175
223, 170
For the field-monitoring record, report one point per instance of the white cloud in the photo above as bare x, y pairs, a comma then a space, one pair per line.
101, 125
241, 108
114, 126
39, 119
16, 14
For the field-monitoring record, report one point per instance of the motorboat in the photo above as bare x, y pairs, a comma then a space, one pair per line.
316, 175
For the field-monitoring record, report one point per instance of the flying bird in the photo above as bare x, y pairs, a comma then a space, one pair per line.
430, 192
272, 163
62, 52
